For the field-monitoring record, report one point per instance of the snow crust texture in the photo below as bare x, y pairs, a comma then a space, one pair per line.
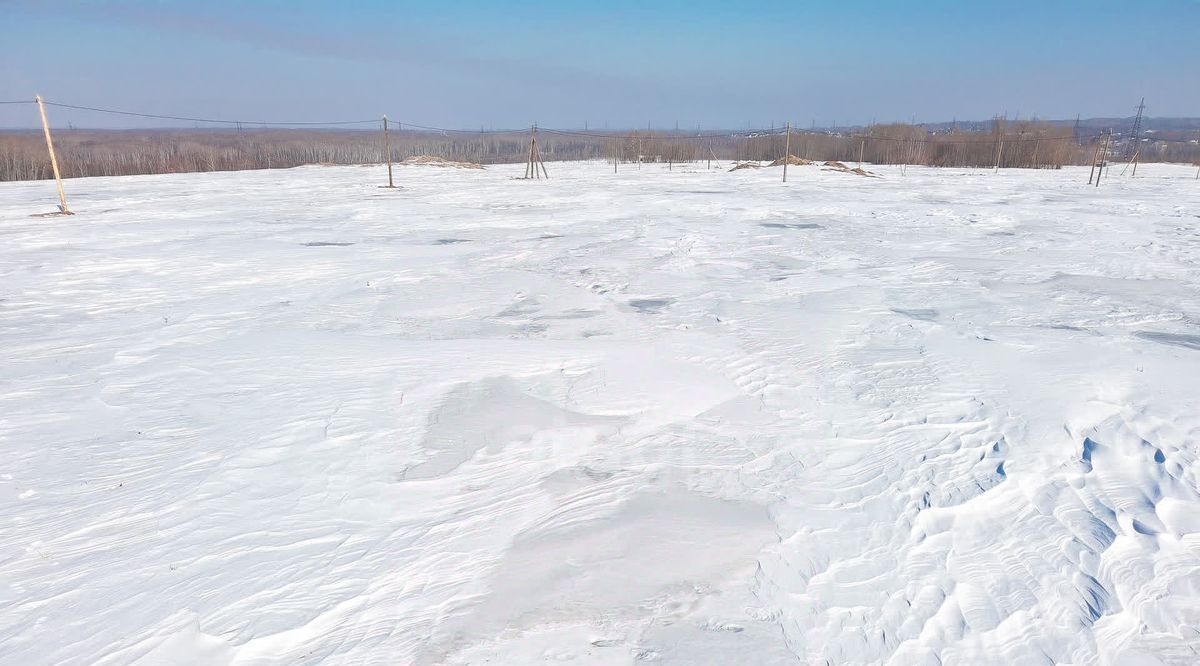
662, 417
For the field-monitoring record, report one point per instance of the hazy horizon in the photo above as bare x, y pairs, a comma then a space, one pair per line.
613, 64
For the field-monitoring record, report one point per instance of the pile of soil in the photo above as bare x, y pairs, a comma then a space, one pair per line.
746, 165
792, 160
834, 165
434, 160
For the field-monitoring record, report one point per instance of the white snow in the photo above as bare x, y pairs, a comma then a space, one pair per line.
687, 416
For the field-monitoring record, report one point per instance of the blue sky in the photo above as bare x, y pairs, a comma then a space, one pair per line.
615, 63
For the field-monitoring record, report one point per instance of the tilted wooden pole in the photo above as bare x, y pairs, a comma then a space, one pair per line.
862, 145
1095, 158
62, 195
387, 146
1103, 157
543, 163
787, 150
1132, 162
529, 162
999, 152
1109, 149
535, 154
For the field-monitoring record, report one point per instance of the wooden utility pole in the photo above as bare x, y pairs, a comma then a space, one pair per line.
1103, 157
535, 157
538, 152
999, 153
1132, 162
529, 160
62, 195
787, 150
387, 147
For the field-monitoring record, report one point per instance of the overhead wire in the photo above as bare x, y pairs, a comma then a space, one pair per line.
220, 121
935, 139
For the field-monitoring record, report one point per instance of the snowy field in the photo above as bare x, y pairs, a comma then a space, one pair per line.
663, 417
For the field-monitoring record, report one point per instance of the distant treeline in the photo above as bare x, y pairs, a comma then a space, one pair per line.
1031, 145
1028, 145
124, 152
81, 153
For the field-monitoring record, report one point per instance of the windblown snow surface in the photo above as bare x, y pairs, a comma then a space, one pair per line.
667, 416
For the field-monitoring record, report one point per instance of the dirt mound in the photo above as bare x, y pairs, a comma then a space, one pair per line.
834, 165
792, 160
434, 160
746, 165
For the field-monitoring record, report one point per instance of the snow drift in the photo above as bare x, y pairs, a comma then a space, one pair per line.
680, 416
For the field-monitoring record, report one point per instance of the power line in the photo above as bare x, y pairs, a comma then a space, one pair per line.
973, 138
219, 121
429, 128
261, 123
668, 137
978, 138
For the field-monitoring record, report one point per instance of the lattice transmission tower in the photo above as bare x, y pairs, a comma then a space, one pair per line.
1135, 134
